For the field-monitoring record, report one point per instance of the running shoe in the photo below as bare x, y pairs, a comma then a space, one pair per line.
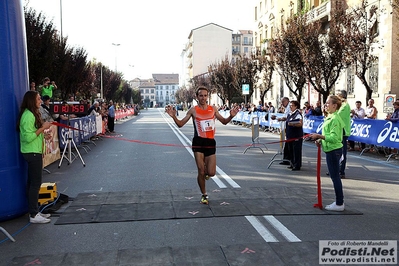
334, 207
204, 199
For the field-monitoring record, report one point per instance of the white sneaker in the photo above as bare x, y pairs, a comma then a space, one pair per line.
334, 207
38, 219
45, 215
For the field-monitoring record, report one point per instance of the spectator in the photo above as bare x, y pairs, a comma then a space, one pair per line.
308, 109
259, 107
294, 132
317, 111
32, 86
31, 131
47, 88
284, 106
371, 110
45, 109
271, 108
111, 117
66, 116
345, 113
395, 116
331, 142
357, 113
93, 109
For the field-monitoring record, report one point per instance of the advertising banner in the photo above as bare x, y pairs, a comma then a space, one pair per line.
52, 150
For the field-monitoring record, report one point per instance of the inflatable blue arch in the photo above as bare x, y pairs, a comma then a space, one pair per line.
14, 82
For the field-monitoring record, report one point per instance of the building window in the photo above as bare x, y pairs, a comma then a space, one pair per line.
350, 80
152, 90
246, 41
373, 76
245, 50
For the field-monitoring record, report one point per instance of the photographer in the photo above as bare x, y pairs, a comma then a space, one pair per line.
47, 88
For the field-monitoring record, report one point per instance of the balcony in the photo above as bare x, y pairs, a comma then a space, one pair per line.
322, 12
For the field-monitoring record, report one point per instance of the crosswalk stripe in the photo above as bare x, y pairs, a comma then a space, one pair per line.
282, 229
262, 230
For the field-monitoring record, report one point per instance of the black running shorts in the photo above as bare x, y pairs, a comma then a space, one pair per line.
204, 145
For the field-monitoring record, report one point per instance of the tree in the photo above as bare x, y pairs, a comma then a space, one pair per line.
185, 95
50, 56
41, 45
136, 96
223, 79
246, 71
324, 50
360, 35
265, 71
287, 55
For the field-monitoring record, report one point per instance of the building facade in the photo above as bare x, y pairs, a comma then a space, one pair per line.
166, 86
147, 92
383, 76
242, 43
206, 45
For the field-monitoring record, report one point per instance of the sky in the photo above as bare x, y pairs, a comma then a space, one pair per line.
151, 33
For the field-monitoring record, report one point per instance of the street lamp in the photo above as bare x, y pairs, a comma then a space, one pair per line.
61, 16
116, 64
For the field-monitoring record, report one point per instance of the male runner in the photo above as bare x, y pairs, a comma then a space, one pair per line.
203, 144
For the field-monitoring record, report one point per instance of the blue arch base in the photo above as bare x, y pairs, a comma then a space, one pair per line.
13, 85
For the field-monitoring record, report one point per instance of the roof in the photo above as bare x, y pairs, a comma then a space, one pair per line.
191, 32
246, 31
166, 78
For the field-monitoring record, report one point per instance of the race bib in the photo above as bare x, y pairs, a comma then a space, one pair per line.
207, 125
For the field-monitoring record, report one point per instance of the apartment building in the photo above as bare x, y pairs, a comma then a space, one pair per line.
383, 76
242, 43
147, 92
206, 45
166, 86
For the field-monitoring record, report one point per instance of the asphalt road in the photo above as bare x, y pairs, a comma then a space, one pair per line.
148, 154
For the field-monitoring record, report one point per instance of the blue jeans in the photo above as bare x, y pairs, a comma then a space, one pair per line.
35, 171
333, 162
342, 164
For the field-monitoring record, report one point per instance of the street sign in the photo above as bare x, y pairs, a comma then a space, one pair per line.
245, 89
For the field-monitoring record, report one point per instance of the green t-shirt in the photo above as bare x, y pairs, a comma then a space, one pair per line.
345, 114
332, 131
30, 142
48, 90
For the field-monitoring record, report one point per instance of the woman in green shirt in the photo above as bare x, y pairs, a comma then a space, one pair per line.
331, 142
31, 131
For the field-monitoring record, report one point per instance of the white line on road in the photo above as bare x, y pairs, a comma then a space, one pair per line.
281, 229
266, 234
262, 230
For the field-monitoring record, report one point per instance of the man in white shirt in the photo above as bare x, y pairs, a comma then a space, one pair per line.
284, 103
357, 113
